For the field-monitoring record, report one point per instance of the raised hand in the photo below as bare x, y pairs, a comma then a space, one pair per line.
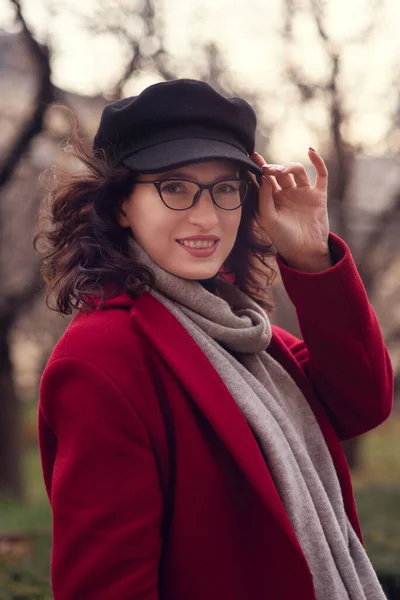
294, 213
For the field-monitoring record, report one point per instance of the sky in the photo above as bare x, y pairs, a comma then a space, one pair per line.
248, 33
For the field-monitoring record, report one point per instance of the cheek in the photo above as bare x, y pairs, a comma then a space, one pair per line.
232, 222
151, 222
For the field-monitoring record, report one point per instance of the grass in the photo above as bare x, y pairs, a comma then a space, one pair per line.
379, 512
380, 455
25, 574
33, 513
25, 539
24, 563
377, 491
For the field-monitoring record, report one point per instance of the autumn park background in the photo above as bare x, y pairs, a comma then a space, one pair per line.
320, 73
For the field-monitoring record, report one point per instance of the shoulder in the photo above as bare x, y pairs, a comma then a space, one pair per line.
103, 352
103, 357
94, 332
107, 338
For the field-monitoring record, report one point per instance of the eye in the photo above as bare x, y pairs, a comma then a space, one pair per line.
174, 187
227, 187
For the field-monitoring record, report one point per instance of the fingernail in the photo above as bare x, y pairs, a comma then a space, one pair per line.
274, 167
312, 149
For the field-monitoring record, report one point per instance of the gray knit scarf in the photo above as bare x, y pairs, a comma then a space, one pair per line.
283, 423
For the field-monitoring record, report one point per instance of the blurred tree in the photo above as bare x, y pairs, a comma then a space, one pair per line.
139, 30
14, 301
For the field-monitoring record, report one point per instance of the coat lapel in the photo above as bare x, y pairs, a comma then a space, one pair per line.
203, 384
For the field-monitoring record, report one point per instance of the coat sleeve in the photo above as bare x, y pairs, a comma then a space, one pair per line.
343, 353
103, 484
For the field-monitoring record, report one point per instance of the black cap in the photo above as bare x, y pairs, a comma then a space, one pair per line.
177, 122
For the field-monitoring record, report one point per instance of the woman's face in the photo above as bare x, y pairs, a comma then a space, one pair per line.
168, 236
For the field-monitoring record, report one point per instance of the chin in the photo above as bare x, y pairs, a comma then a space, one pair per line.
200, 272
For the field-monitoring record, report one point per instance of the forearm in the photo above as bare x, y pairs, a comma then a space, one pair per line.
347, 362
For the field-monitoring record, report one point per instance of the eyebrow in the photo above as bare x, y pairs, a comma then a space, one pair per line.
180, 175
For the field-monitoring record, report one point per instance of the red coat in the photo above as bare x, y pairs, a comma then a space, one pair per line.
157, 485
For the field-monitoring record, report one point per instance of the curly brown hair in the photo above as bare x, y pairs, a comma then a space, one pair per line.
86, 252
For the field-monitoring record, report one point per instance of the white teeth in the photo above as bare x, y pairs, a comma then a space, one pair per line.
197, 243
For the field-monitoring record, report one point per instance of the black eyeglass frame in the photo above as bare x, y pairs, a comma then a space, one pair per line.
208, 186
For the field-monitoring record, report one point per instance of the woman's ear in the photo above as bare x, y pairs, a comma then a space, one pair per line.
122, 217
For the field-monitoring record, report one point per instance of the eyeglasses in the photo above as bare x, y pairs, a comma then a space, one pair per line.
182, 194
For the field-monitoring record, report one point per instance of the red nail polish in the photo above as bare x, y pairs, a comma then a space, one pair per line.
312, 149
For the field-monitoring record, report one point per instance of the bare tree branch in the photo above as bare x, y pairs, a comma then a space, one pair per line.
119, 23
159, 60
342, 153
317, 11
130, 68
10, 422
362, 35
340, 162
44, 96
215, 68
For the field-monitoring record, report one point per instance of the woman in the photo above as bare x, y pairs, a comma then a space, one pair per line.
190, 450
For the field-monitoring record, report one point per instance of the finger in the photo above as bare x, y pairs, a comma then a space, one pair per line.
321, 180
267, 175
299, 174
272, 182
266, 167
257, 159
280, 177
266, 205
277, 179
284, 179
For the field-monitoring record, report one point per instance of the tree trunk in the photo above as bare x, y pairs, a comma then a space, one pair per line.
10, 422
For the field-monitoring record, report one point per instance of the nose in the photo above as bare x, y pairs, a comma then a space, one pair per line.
204, 212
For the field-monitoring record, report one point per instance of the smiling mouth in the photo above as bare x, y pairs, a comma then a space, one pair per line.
198, 243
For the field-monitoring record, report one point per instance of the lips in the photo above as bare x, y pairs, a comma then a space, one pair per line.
197, 243
201, 246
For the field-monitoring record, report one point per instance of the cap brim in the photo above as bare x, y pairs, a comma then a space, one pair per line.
181, 152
